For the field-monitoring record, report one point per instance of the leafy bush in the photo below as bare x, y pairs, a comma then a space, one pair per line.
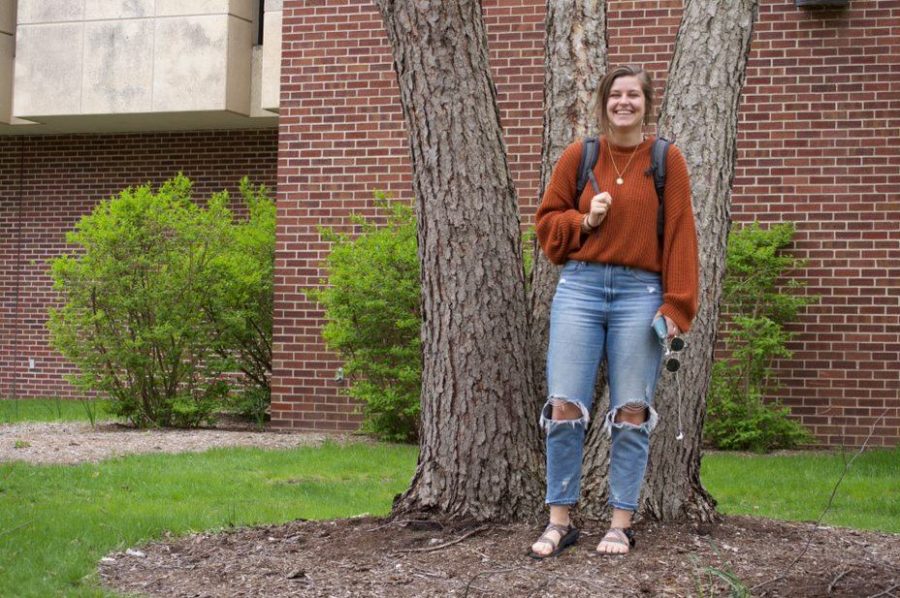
152, 301
738, 416
372, 308
240, 305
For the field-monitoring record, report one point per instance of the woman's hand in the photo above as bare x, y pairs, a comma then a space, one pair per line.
599, 207
671, 327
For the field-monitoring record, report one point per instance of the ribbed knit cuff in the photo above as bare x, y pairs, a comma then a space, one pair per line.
683, 323
575, 218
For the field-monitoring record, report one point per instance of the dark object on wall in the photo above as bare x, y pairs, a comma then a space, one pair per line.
821, 3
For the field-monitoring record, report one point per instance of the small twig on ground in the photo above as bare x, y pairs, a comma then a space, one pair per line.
380, 527
402, 523
13, 529
887, 592
837, 578
847, 465
484, 573
548, 575
446, 544
426, 573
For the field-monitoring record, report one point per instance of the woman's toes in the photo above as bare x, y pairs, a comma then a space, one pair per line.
611, 544
546, 544
609, 548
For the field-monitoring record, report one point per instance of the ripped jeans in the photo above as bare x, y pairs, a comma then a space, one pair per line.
598, 311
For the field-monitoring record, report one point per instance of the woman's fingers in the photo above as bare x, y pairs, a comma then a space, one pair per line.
672, 327
599, 207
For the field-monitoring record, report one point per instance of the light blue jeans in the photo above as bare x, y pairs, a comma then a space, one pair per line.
599, 311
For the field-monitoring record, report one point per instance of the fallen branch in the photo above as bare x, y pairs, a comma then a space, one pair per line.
837, 579
446, 544
889, 591
406, 523
827, 507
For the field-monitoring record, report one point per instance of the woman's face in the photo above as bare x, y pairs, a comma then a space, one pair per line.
625, 107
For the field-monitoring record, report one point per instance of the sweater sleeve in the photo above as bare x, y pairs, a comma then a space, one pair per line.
679, 256
557, 222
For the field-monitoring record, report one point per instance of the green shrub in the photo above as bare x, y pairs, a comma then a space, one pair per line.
738, 416
150, 301
372, 308
240, 305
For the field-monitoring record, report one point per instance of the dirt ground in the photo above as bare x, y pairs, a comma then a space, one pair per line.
373, 557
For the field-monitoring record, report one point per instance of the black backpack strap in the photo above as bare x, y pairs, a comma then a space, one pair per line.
590, 151
658, 154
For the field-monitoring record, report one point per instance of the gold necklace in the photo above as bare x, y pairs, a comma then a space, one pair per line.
619, 179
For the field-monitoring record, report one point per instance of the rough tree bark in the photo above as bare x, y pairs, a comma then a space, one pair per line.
479, 454
700, 113
575, 58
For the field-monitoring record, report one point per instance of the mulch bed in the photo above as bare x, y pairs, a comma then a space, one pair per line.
376, 557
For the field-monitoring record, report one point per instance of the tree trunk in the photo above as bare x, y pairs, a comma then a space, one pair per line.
479, 454
575, 57
700, 113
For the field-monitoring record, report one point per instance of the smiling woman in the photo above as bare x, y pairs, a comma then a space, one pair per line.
620, 276
628, 99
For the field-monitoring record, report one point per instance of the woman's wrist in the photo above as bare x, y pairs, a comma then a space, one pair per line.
586, 224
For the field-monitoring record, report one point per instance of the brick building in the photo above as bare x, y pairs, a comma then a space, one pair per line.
818, 145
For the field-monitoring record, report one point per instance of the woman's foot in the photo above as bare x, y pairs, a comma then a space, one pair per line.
616, 541
554, 540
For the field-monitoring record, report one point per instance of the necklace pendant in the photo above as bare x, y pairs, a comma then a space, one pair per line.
619, 181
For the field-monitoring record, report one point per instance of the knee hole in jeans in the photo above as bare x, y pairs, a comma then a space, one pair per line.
563, 411
633, 413
636, 415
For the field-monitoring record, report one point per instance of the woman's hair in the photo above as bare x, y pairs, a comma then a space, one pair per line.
606, 85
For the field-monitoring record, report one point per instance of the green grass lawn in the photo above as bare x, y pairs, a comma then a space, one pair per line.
50, 410
796, 487
56, 522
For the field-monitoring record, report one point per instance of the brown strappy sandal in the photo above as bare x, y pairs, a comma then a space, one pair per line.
568, 535
618, 535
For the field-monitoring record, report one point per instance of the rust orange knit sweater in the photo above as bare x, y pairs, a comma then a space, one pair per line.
627, 236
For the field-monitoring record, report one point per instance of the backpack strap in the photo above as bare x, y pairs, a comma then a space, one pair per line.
658, 154
590, 151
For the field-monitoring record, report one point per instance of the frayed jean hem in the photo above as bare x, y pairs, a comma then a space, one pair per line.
622, 506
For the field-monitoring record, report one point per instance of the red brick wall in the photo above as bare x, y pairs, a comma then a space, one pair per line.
341, 137
820, 102
48, 182
819, 146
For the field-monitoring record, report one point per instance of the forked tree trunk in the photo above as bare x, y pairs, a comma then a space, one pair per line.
575, 60
701, 110
700, 113
479, 454
479, 444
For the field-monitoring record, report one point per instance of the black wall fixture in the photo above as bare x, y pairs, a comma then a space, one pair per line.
821, 3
